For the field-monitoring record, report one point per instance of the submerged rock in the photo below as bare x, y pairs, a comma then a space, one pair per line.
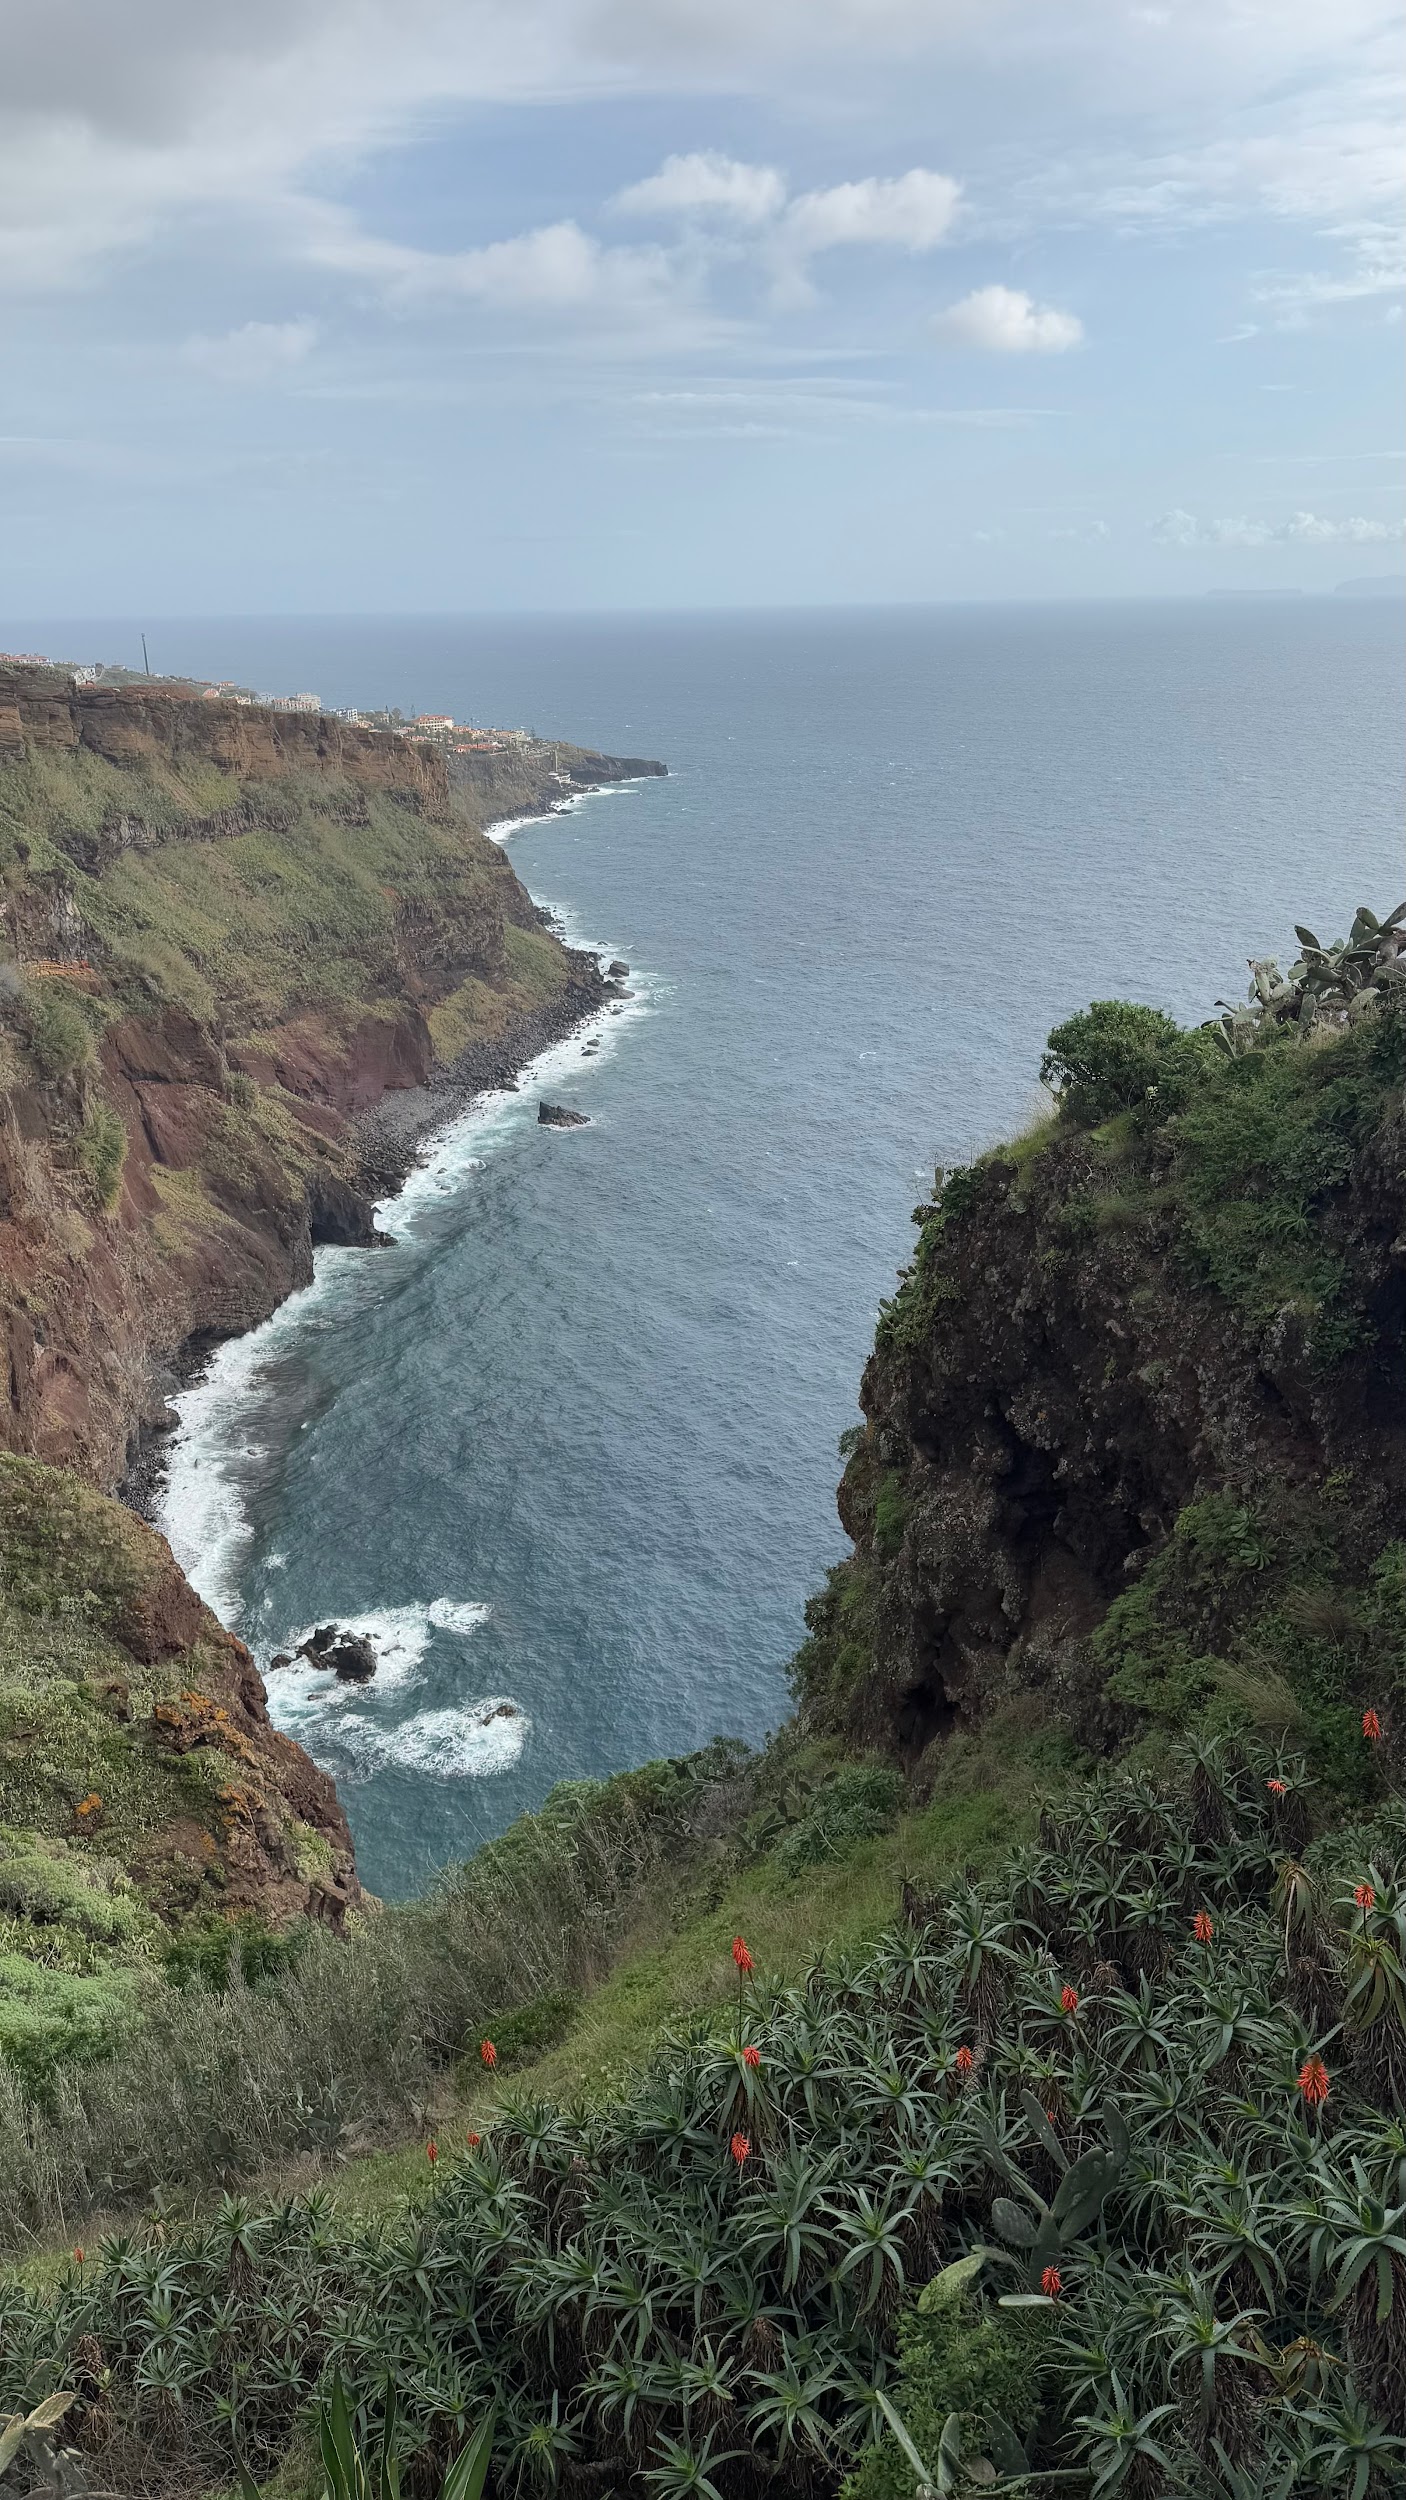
556, 1115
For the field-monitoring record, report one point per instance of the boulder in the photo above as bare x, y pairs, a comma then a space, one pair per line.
556, 1115
348, 1655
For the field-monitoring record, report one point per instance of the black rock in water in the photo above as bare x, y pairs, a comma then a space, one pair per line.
349, 1655
556, 1115
617, 970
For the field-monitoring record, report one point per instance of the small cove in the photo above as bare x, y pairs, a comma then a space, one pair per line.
570, 1444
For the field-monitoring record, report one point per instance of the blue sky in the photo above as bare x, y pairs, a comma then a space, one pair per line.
318, 305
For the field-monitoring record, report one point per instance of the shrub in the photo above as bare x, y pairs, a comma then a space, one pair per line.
51, 1891
859, 1803
952, 2358
102, 1151
210, 1952
890, 1513
529, 2031
59, 1040
1112, 1056
50, 2019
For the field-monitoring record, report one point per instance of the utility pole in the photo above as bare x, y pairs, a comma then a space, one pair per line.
145, 661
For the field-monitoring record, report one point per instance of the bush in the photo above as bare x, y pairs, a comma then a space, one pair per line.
1113, 1056
59, 1040
526, 2033
211, 1952
859, 1803
952, 2358
890, 1513
51, 2019
51, 1891
102, 1151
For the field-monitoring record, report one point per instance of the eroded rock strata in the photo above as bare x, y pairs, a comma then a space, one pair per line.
229, 939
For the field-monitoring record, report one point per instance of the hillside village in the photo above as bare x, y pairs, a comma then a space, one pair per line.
440, 728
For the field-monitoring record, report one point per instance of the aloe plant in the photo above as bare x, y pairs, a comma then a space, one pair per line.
612, 2300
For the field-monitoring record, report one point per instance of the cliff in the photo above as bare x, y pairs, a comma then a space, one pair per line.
1135, 1435
226, 935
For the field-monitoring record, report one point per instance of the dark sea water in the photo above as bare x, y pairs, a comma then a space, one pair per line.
571, 1443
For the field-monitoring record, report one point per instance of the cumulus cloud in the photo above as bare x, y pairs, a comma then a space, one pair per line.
1307, 529
912, 211
115, 123
258, 351
706, 184
1008, 322
552, 269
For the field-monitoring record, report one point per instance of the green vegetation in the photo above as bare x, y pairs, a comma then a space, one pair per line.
102, 1151
56, 1031
1116, 1056
1229, 1158
1088, 2175
248, 2051
1140, 2086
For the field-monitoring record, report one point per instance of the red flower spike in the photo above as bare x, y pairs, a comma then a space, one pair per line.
1069, 1999
751, 2056
473, 2141
432, 2152
1051, 2283
963, 2061
741, 1956
1313, 2082
1203, 1927
741, 2149
80, 2256
488, 2053
1365, 1897
1277, 1788
1371, 1727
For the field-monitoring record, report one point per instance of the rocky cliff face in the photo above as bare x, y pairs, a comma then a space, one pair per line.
1135, 1431
226, 935
135, 1744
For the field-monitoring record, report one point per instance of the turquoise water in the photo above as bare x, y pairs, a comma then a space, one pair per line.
570, 1445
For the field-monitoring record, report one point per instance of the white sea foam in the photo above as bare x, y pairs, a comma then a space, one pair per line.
507, 826
473, 1742
214, 1459
313, 1704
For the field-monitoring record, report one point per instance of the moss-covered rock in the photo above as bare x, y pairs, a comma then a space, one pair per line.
1136, 1416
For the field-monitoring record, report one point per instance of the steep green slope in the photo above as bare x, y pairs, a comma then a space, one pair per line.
1136, 1417
1088, 2175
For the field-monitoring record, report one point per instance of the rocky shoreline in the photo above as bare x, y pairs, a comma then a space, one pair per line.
389, 1142
390, 1138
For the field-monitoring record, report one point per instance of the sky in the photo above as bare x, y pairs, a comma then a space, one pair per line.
476, 305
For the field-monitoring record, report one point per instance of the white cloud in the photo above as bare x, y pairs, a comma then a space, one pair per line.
913, 211
1008, 322
119, 124
1309, 529
557, 269
706, 184
258, 351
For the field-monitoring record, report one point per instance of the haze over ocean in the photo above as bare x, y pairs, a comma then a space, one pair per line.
571, 1443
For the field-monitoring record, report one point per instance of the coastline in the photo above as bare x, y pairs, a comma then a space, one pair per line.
394, 1135
393, 1141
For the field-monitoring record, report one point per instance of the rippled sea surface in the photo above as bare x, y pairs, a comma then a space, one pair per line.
567, 1450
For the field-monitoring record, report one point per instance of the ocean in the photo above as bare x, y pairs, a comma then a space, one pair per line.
568, 1450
